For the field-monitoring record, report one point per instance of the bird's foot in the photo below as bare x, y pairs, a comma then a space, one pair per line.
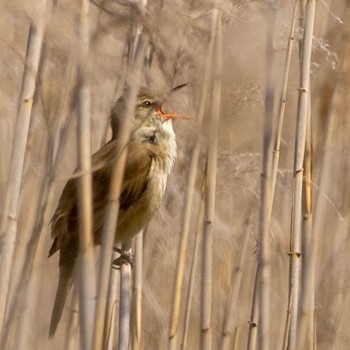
126, 257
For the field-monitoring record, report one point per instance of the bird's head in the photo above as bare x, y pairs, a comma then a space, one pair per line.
148, 106
146, 103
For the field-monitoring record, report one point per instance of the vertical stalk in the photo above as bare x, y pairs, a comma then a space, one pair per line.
32, 270
112, 209
113, 295
138, 290
71, 330
187, 216
254, 315
111, 217
125, 271
210, 188
302, 4
235, 338
9, 217
38, 241
86, 253
307, 295
264, 253
173, 332
193, 273
125, 305
295, 242
229, 326
282, 105
339, 106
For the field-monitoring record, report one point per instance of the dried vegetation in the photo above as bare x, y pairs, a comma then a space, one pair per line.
250, 249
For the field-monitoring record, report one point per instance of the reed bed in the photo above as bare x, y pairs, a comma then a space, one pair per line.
250, 247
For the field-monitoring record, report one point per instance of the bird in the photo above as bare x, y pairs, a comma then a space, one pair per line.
150, 159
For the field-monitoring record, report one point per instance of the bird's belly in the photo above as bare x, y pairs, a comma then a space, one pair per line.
138, 215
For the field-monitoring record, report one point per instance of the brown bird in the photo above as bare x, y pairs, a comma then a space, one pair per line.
151, 155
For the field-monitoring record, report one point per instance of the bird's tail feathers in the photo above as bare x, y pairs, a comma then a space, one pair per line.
64, 284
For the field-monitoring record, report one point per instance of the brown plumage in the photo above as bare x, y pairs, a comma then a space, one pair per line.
151, 153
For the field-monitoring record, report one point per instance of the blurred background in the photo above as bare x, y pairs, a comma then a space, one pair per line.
178, 35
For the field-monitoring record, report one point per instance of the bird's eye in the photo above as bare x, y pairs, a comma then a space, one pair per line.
147, 103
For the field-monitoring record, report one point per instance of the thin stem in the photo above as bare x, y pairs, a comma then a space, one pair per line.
111, 318
210, 188
86, 253
112, 209
138, 289
282, 105
187, 216
125, 302
254, 315
32, 273
229, 325
264, 253
338, 107
71, 338
9, 218
307, 296
125, 278
193, 273
295, 249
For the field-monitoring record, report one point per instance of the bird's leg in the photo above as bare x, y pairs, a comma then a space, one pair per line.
126, 257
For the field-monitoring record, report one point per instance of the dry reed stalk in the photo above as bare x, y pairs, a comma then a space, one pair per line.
125, 302
113, 296
111, 316
16, 310
22, 257
264, 251
286, 326
138, 290
181, 261
9, 219
340, 109
39, 249
193, 272
339, 106
71, 339
210, 187
254, 315
235, 338
31, 274
229, 322
187, 215
295, 242
32, 296
125, 271
306, 324
111, 216
282, 104
87, 277
302, 4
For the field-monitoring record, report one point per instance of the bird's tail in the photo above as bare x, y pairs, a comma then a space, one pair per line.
64, 284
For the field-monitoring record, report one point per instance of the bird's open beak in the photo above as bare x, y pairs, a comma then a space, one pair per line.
171, 116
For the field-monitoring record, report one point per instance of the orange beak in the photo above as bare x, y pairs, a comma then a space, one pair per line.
170, 115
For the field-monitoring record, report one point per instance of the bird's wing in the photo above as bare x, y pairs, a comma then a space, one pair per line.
64, 222
136, 174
